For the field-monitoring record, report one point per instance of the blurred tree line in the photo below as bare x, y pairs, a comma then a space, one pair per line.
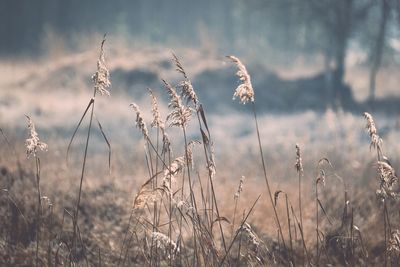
289, 27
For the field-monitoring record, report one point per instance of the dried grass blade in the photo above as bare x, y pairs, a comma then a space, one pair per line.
237, 232
77, 127
203, 118
323, 210
108, 144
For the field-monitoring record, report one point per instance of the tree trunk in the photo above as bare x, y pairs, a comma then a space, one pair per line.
377, 50
342, 29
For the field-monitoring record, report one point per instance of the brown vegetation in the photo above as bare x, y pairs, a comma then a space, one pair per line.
187, 210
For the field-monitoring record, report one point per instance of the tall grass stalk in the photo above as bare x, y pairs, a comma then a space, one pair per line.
188, 92
33, 145
300, 171
101, 83
245, 93
266, 177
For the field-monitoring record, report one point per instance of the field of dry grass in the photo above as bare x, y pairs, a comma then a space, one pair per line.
172, 191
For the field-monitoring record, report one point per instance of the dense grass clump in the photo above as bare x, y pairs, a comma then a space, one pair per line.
183, 211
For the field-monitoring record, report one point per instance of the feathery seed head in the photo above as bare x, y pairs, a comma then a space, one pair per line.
388, 179
321, 178
186, 85
276, 196
394, 241
211, 166
146, 194
169, 174
180, 114
164, 244
176, 166
179, 66
157, 121
140, 121
188, 92
376, 141
250, 237
190, 146
240, 188
101, 78
33, 143
299, 163
245, 90
166, 142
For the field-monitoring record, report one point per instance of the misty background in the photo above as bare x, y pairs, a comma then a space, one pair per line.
320, 32
308, 60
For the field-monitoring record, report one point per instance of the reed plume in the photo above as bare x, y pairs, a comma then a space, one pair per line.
299, 169
394, 241
187, 91
388, 179
145, 195
299, 161
240, 188
176, 167
190, 147
101, 83
248, 234
246, 94
180, 114
236, 197
33, 143
140, 124
101, 78
245, 90
157, 121
164, 243
376, 141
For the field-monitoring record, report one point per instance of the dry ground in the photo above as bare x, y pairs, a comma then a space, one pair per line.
55, 91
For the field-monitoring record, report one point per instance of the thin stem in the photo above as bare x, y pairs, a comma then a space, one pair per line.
39, 208
300, 206
302, 236
192, 198
234, 215
210, 182
170, 209
237, 232
265, 174
317, 219
290, 228
75, 221
385, 229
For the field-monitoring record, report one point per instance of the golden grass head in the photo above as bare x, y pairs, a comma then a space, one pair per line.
240, 188
394, 241
245, 90
388, 179
179, 67
376, 141
157, 121
163, 243
190, 147
186, 86
299, 162
140, 121
250, 237
169, 174
180, 114
33, 143
145, 195
101, 78
321, 178
276, 196
188, 92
